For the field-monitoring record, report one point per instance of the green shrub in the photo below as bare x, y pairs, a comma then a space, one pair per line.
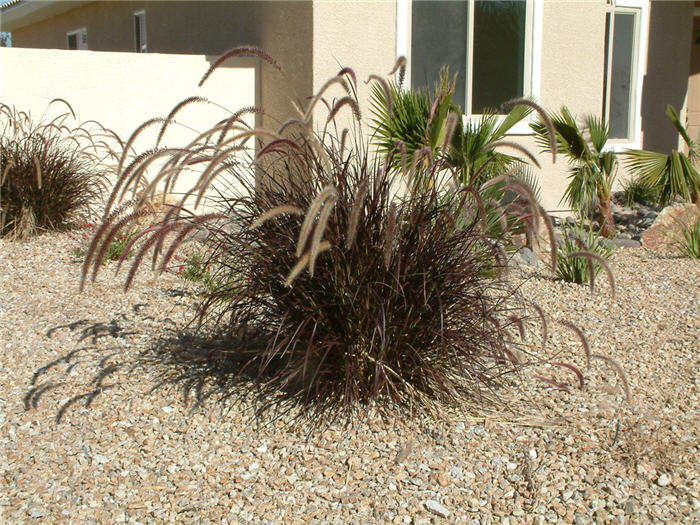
48, 177
582, 255
593, 167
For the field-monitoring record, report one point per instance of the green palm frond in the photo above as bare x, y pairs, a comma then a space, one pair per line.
670, 175
593, 170
598, 131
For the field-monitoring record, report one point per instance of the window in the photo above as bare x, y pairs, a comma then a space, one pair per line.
140, 32
621, 105
489, 44
77, 39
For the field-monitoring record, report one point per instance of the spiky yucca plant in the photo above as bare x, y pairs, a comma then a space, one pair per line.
50, 175
335, 289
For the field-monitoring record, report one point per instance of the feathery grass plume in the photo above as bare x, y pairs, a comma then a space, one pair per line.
326, 193
236, 117
574, 369
620, 372
546, 120
112, 233
242, 51
451, 122
582, 338
275, 212
306, 117
356, 209
132, 138
345, 101
171, 116
543, 322
514, 145
388, 94
554, 383
553, 253
400, 66
351, 73
303, 262
319, 230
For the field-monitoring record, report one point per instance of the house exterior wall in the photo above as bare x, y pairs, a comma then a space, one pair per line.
313, 39
123, 90
361, 35
571, 75
281, 28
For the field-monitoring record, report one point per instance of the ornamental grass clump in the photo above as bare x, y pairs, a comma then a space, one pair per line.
51, 176
341, 279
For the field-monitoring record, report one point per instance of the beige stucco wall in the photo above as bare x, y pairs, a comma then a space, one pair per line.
361, 35
123, 90
573, 54
282, 28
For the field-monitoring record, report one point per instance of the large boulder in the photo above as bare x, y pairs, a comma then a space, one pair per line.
664, 232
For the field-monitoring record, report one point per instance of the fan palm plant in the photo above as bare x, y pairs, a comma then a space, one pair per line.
415, 120
593, 169
675, 174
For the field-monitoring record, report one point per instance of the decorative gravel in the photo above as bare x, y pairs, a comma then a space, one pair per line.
85, 440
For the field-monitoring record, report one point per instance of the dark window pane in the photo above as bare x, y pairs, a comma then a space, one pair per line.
498, 72
621, 76
73, 41
137, 32
438, 38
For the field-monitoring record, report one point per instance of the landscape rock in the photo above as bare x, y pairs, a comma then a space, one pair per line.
437, 508
524, 257
661, 235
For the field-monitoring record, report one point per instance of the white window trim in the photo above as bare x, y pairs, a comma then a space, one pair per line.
141, 23
639, 68
403, 48
78, 33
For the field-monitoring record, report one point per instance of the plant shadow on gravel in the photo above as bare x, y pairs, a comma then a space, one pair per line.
103, 361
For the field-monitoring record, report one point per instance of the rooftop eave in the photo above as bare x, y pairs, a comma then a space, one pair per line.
17, 14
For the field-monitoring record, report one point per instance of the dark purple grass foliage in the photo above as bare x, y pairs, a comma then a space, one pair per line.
51, 175
338, 277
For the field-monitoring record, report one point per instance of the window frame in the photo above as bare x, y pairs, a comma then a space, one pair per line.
639, 55
140, 47
533, 54
78, 39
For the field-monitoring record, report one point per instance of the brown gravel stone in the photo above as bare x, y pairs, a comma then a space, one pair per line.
133, 455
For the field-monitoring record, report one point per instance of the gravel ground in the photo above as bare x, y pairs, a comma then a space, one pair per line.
84, 440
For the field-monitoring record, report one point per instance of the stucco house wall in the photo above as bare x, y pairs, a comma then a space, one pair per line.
313, 39
282, 28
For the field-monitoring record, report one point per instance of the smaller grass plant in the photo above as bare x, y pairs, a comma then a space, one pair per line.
688, 237
582, 255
